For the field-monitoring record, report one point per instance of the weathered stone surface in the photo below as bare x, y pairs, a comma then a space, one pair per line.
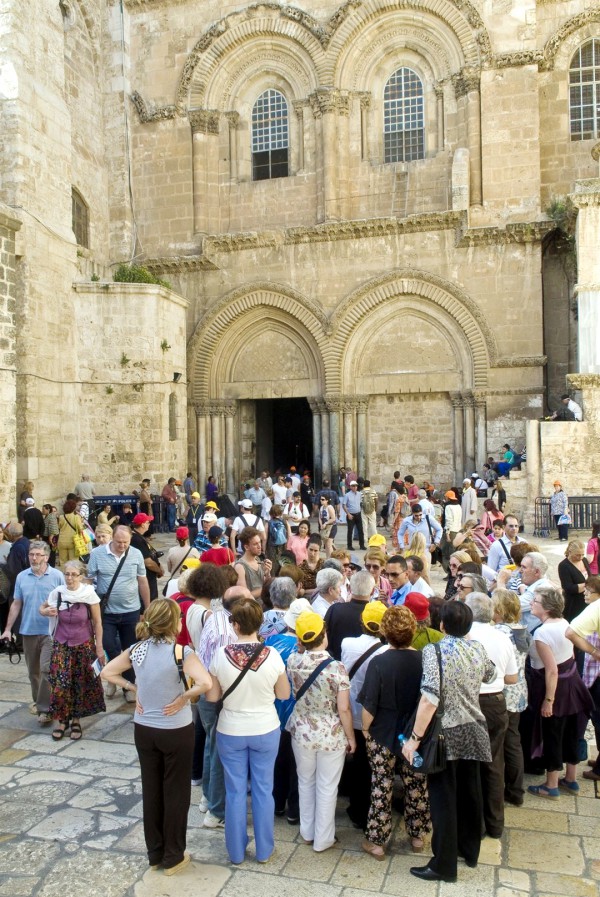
562, 853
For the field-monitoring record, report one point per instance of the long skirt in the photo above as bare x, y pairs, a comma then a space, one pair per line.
76, 690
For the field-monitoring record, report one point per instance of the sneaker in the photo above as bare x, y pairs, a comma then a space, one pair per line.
110, 689
44, 719
173, 869
203, 805
211, 821
196, 782
131, 698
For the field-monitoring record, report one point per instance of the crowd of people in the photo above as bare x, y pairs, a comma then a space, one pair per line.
275, 656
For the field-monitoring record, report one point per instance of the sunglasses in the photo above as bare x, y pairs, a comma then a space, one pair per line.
373, 566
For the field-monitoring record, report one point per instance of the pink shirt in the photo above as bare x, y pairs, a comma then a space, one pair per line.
592, 549
299, 545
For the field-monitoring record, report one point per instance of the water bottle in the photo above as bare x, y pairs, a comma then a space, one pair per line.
417, 759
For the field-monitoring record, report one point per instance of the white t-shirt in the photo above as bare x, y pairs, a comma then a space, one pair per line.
250, 708
588, 621
500, 651
279, 494
352, 649
553, 635
266, 506
320, 606
249, 519
195, 618
422, 587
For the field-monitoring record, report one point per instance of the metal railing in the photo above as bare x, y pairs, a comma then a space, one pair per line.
584, 511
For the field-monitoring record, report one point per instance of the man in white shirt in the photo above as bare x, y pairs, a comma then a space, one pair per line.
279, 492
414, 570
499, 555
571, 406
468, 502
534, 567
493, 706
246, 518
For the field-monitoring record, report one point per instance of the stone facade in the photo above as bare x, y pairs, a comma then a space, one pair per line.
9, 227
403, 299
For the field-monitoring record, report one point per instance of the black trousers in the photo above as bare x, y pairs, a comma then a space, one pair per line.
494, 709
285, 779
359, 782
513, 761
166, 767
561, 735
355, 522
456, 806
199, 742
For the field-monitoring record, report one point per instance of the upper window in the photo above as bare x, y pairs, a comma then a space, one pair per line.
403, 131
270, 136
584, 91
80, 219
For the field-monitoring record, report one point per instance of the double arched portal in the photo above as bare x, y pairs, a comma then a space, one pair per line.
395, 376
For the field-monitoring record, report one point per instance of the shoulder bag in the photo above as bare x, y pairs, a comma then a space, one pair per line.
104, 598
436, 554
237, 681
432, 746
304, 688
187, 683
358, 663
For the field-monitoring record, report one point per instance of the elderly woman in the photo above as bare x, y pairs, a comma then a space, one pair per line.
282, 591
76, 691
248, 729
388, 697
321, 729
454, 794
556, 695
469, 582
573, 572
69, 525
329, 590
559, 505
163, 728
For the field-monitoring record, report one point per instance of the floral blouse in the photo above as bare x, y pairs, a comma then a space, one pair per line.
465, 665
517, 695
315, 721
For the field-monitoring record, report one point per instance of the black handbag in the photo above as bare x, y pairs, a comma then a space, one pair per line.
432, 747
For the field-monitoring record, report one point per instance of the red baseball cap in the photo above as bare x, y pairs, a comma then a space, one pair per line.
141, 518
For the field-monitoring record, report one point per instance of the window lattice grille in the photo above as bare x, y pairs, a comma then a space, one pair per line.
403, 119
584, 91
270, 136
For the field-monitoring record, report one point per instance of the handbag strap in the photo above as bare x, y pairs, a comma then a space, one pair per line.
114, 579
178, 566
506, 551
74, 528
440, 706
179, 663
246, 668
304, 688
358, 663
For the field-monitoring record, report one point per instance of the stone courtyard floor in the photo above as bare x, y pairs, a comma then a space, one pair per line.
70, 824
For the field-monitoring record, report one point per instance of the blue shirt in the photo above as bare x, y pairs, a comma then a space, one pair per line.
285, 644
33, 591
399, 596
102, 566
410, 525
351, 501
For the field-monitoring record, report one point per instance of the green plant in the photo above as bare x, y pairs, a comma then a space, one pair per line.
165, 346
109, 390
561, 239
124, 360
94, 278
137, 274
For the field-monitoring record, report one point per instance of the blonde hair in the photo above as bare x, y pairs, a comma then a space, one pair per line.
182, 579
376, 554
103, 528
576, 545
506, 605
463, 557
161, 620
417, 546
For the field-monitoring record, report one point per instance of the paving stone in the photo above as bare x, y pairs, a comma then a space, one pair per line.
507, 892
565, 884
359, 870
205, 845
64, 825
46, 776
16, 818
45, 793
92, 873
26, 855
86, 749
305, 863
512, 878
478, 882
19, 886
8, 736
591, 848
401, 883
8, 707
10, 755
196, 880
584, 825
561, 853
540, 819
242, 883
41, 744
102, 769
48, 761
587, 806
490, 853
7, 773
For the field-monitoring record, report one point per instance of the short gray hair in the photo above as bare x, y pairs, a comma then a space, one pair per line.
38, 545
362, 584
538, 561
478, 582
328, 579
81, 568
282, 592
14, 528
481, 605
333, 564
551, 600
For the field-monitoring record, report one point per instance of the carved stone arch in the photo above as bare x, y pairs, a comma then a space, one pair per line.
224, 39
461, 19
448, 297
266, 298
290, 65
569, 36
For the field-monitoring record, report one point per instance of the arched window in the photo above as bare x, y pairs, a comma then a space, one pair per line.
403, 130
80, 219
584, 91
270, 136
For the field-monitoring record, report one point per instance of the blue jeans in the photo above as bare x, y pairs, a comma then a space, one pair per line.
240, 755
171, 515
118, 633
213, 783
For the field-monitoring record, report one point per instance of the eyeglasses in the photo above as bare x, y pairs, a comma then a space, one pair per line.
71, 573
373, 566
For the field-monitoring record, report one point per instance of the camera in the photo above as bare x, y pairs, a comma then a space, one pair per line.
158, 554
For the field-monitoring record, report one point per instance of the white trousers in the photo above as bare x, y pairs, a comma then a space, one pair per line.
319, 773
369, 522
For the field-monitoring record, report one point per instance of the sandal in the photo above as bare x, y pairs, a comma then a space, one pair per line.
59, 732
373, 850
544, 791
76, 732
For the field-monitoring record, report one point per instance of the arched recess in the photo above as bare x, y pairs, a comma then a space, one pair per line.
560, 47
214, 348
416, 292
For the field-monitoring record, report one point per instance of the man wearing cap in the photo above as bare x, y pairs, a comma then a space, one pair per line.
140, 526
428, 526
33, 520
468, 502
245, 518
343, 620
357, 653
570, 411
169, 497
202, 541
194, 515
396, 571
352, 502
424, 635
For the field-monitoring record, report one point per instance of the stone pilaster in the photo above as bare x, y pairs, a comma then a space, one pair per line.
587, 200
9, 225
458, 443
205, 150
328, 104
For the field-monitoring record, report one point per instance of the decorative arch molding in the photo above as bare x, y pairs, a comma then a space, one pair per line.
211, 328
553, 45
460, 16
427, 286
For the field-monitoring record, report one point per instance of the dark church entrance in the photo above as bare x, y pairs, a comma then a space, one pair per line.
284, 436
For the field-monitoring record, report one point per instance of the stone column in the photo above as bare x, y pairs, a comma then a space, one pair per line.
533, 469
205, 127
326, 103
326, 454
362, 458
348, 454
216, 429
317, 444
472, 86
469, 417
233, 119
299, 110
458, 436
201, 428
334, 406
587, 200
365, 105
439, 97
480, 430
10, 224
230, 409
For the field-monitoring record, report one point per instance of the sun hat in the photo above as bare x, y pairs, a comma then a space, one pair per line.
182, 532
418, 603
297, 607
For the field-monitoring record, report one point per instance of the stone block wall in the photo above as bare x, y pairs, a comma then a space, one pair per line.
9, 225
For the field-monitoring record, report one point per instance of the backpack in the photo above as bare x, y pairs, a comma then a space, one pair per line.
368, 501
277, 532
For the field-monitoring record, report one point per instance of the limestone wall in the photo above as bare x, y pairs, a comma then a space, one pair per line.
9, 225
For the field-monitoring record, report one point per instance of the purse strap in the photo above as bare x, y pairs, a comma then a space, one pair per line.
179, 663
304, 688
178, 566
246, 668
106, 595
358, 663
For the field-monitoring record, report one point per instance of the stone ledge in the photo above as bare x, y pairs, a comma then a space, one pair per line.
9, 218
100, 288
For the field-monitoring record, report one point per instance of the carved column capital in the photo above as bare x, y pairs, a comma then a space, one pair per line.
456, 400
205, 121
334, 403
468, 399
328, 99
480, 398
202, 409
229, 407
365, 99
233, 119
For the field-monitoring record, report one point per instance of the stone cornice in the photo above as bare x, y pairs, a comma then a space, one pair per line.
179, 263
587, 193
584, 381
521, 361
518, 58
526, 232
160, 113
102, 288
9, 218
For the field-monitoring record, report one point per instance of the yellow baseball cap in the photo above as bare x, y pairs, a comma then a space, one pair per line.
308, 626
377, 541
190, 563
372, 616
